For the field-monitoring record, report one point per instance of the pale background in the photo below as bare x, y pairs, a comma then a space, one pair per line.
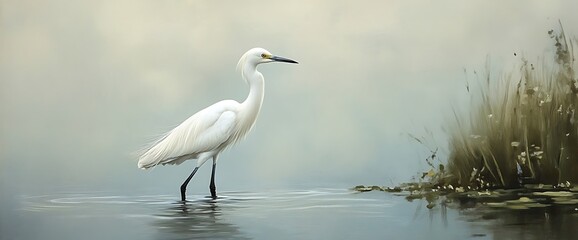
85, 84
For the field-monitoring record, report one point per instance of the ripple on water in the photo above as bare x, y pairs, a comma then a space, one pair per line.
203, 217
294, 200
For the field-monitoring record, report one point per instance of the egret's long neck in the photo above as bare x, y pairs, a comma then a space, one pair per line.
252, 105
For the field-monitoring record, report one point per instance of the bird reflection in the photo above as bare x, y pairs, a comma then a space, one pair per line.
194, 220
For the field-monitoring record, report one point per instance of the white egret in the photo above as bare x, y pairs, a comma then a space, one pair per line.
208, 132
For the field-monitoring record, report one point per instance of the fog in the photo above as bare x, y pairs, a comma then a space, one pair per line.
85, 84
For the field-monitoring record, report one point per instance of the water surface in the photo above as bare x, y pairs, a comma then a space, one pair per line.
280, 214
321, 213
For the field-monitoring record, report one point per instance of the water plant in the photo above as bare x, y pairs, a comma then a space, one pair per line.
523, 130
514, 156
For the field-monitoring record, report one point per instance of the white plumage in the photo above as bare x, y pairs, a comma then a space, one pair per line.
208, 132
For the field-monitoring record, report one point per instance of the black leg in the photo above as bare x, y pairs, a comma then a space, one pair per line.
212, 187
184, 186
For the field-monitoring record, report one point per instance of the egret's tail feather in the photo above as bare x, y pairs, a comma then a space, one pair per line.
146, 162
143, 165
152, 155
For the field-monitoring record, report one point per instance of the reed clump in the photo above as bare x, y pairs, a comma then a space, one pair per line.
522, 130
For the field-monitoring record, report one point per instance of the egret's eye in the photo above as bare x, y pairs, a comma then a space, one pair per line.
263, 55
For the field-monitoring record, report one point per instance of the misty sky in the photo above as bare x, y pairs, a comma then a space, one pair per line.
85, 84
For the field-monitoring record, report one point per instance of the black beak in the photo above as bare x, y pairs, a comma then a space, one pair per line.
282, 59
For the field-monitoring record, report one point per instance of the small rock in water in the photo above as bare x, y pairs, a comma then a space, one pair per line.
362, 188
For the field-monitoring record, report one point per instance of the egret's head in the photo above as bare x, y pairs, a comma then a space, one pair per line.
257, 56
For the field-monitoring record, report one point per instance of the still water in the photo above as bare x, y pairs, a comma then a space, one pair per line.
276, 214
291, 214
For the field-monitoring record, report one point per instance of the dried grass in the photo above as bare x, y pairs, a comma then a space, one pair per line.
520, 130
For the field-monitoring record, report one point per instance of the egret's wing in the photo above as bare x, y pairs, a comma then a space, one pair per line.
205, 131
